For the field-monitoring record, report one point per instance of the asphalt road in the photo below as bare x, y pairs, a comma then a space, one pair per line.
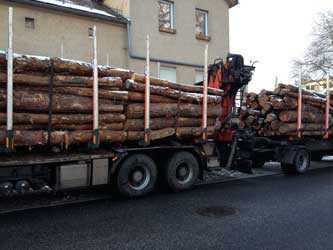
273, 212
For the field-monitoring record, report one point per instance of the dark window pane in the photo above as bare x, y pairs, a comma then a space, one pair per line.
165, 15
29, 23
201, 18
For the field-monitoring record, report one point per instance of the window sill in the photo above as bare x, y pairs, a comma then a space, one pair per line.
170, 31
202, 37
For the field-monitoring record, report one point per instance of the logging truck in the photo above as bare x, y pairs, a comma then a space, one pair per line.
133, 168
131, 160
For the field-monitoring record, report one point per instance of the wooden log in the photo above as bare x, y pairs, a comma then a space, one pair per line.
39, 102
29, 118
154, 135
266, 92
64, 127
193, 132
160, 123
63, 138
308, 117
78, 91
263, 97
136, 110
250, 120
286, 128
171, 93
254, 112
255, 105
277, 91
305, 97
293, 88
268, 106
271, 117
61, 81
291, 103
23, 64
177, 86
140, 97
278, 104
259, 123
155, 124
275, 125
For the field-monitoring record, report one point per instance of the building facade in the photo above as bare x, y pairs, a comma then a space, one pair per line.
178, 30
318, 86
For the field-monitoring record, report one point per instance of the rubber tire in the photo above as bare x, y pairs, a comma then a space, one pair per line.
171, 167
294, 168
123, 173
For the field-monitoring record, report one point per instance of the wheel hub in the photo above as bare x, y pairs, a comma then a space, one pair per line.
139, 178
301, 162
184, 173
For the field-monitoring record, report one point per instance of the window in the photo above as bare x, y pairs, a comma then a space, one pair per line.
169, 74
91, 32
201, 22
29, 23
199, 76
165, 15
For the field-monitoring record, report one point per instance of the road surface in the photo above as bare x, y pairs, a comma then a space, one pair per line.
272, 212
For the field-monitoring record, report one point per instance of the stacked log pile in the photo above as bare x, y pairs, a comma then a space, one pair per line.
176, 109
274, 113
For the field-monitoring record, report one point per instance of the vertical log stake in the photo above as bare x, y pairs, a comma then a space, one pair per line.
9, 140
327, 108
204, 98
95, 141
299, 106
147, 96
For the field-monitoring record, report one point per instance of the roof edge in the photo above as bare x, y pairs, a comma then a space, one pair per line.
232, 3
71, 11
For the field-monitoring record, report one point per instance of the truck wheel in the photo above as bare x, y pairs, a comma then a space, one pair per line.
301, 163
182, 170
136, 176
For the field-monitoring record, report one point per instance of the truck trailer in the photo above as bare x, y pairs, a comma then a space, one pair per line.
134, 168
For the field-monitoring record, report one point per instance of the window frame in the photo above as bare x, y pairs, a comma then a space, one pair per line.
172, 17
197, 72
205, 36
31, 21
168, 68
91, 32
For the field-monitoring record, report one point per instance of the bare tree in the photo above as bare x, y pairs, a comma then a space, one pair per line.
318, 59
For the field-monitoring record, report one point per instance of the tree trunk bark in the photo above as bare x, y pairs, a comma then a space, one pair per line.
291, 116
171, 93
39, 102
62, 81
177, 86
136, 110
286, 128
30, 118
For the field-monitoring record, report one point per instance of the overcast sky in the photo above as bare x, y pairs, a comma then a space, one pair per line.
273, 32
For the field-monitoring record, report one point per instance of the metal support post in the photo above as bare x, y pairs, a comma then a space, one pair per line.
327, 108
9, 132
95, 142
204, 98
147, 95
299, 106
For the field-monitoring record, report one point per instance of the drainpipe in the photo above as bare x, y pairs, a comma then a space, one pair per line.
153, 59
